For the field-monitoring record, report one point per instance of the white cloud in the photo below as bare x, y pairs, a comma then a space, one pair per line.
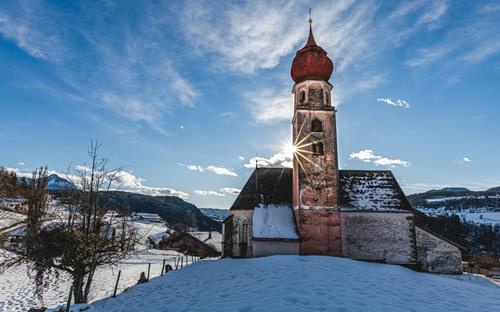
268, 104
209, 193
278, 160
393, 102
241, 158
195, 168
465, 160
213, 169
222, 171
124, 181
230, 190
20, 164
370, 157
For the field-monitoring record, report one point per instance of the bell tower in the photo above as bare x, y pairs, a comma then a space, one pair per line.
315, 164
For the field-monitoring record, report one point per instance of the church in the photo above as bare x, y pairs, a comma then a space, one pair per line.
315, 208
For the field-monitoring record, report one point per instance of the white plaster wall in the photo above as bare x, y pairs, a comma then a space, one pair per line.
386, 237
437, 255
269, 248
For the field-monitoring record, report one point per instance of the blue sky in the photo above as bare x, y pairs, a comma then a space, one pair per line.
183, 95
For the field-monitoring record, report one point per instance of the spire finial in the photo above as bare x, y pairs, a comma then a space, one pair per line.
310, 40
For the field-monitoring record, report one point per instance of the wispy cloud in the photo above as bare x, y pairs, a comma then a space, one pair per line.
213, 169
476, 39
208, 193
465, 160
222, 193
394, 102
370, 157
124, 66
270, 104
230, 190
124, 181
277, 160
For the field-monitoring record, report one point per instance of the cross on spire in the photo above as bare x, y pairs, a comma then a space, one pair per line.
310, 18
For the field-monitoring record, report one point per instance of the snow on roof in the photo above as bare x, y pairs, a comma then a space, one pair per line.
274, 222
362, 190
147, 215
215, 241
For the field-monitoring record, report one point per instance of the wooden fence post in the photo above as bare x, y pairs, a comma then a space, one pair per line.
149, 268
117, 281
68, 304
163, 267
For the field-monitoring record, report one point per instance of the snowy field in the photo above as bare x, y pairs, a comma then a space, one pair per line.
295, 283
17, 290
8, 218
480, 216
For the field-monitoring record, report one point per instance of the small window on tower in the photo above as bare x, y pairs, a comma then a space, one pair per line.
302, 97
317, 149
327, 98
316, 126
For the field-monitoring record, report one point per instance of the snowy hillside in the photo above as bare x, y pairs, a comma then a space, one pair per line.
295, 283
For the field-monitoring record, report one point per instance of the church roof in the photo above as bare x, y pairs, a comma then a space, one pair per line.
267, 186
367, 190
360, 190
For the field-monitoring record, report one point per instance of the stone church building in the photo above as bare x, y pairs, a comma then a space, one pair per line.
316, 209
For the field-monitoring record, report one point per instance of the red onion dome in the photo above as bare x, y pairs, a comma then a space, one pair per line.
311, 62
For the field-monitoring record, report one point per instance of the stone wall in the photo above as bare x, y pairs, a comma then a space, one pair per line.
319, 231
263, 248
436, 255
386, 237
242, 249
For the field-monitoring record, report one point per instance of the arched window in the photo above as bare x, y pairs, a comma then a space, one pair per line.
317, 149
243, 231
316, 126
302, 97
327, 98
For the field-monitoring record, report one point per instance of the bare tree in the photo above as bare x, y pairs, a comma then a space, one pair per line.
90, 236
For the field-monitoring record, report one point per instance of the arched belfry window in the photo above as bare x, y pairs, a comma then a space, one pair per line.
317, 149
316, 126
302, 97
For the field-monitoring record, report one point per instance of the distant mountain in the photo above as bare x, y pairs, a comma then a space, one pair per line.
215, 214
494, 190
172, 209
454, 189
54, 182
457, 198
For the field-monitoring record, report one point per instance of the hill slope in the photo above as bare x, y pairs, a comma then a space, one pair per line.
457, 199
173, 209
298, 283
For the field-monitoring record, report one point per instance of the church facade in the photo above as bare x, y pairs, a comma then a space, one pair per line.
316, 209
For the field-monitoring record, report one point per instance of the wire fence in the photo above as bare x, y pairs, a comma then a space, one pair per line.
151, 270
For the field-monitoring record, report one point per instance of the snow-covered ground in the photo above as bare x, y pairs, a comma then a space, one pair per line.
17, 290
480, 216
304, 283
9, 218
215, 240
